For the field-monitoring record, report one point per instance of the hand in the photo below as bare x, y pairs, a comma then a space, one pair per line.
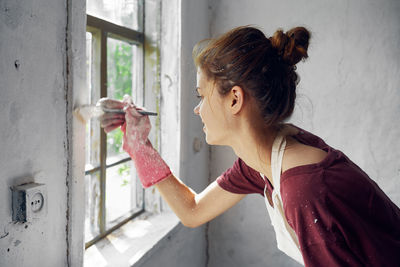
111, 120
150, 167
136, 129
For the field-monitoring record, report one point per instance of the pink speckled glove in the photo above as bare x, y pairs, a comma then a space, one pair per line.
150, 167
111, 120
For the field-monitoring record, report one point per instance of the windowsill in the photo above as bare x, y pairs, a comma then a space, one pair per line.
133, 242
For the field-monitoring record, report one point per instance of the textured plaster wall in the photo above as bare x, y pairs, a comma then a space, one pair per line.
33, 133
348, 95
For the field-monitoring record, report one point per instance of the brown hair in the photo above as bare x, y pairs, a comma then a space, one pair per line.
263, 67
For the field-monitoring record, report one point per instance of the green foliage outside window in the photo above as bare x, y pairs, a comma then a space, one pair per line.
119, 76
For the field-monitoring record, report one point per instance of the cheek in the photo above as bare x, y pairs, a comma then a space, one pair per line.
202, 110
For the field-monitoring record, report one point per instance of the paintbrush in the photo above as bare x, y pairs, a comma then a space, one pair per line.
86, 112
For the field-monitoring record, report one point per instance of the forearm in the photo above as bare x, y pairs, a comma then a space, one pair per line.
192, 209
181, 199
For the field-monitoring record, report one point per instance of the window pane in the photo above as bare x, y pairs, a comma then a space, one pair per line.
123, 193
125, 13
119, 82
93, 125
92, 205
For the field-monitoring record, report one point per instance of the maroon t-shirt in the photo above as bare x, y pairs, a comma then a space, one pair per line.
341, 217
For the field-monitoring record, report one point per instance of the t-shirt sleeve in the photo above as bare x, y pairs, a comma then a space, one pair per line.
241, 179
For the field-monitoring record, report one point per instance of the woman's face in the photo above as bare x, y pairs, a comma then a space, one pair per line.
211, 110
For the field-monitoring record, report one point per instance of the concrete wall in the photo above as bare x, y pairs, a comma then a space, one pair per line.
33, 135
348, 95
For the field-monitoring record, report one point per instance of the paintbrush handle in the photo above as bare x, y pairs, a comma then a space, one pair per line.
150, 113
121, 111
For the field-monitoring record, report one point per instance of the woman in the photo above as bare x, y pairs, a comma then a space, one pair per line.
325, 210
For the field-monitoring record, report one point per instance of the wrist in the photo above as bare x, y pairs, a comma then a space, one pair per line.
150, 167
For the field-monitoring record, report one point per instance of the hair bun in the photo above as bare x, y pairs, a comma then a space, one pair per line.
292, 45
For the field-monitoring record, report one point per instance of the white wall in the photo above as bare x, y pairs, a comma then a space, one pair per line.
33, 135
348, 95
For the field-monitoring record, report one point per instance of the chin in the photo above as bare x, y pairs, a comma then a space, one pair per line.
211, 141
208, 140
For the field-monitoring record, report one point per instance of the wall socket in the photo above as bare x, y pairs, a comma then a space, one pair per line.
29, 201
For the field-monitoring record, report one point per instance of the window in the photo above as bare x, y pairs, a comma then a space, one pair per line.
114, 56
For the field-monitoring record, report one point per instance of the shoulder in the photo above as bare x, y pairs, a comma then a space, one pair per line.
306, 137
303, 188
239, 169
240, 178
298, 154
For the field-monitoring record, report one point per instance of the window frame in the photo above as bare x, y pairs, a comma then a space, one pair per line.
105, 29
163, 54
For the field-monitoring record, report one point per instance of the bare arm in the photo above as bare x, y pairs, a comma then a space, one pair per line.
195, 209
191, 208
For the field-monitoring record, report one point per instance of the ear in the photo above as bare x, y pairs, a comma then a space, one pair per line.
236, 99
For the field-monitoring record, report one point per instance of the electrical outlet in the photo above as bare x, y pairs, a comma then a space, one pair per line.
29, 201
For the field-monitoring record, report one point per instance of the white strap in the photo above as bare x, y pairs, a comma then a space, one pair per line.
278, 149
286, 237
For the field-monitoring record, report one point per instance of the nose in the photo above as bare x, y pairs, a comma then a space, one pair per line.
197, 109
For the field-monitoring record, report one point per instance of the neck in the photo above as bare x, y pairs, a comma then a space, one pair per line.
253, 145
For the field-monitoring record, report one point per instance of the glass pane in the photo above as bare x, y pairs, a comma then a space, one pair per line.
93, 125
92, 206
123, 194
127, 13
119, 82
